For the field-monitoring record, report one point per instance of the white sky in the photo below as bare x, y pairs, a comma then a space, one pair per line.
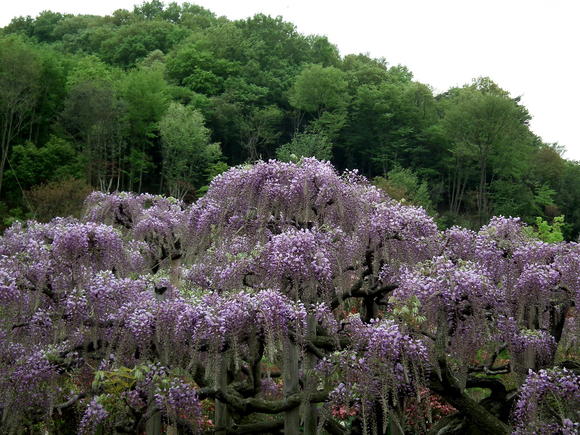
529, 47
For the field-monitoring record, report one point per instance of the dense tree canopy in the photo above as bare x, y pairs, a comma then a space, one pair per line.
103, 84
289, 297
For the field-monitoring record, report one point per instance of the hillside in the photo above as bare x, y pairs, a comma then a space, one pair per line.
162, 98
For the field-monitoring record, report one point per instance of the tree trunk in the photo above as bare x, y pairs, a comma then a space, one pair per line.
154, 425
446, 385
310, 410
291, 386
7, 132
482, 190
222, 418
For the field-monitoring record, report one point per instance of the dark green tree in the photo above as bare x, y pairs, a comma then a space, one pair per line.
145, 94
20, 73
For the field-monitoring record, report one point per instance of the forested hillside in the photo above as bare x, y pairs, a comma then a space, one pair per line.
163, 98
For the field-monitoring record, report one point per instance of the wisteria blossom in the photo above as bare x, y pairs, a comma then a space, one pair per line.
289, 290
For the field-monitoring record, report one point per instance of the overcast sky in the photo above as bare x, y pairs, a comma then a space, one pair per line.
529, 47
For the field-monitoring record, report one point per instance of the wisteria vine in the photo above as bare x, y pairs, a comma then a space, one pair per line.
288, 288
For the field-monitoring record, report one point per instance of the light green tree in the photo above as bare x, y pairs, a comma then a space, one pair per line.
188, 154
321, 92
305, 145
545, 232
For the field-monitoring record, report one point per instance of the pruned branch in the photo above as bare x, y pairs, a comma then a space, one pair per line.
501, 370
260, 428
252, 404
70, 402
498, 389
357, 291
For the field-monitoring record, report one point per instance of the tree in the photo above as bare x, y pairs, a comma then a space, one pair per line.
322, 92
32, 165
45, 25
289, 297
403, 184
546, 232
259, 82
146, 96
248, 129
323, 51
394, 116
570, 198
305, 145
135, 41
488, 127
187, 151
199, 69
95, 116
19, 89
259, 128
62, 197
274, 51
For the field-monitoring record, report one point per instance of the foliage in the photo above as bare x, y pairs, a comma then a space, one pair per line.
546, 232
104, 84
95, 115
32, 165
305, 145
404, 185
63, 197
134, 41
187, 152
19, 89
321, 91
490, 129
318, 89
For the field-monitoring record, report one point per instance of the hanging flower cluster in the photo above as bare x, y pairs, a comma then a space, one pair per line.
172, 301
549, 402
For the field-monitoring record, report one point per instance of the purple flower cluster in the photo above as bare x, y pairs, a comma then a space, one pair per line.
384, 341
302, 255
94, 415
141, 323
277, 195
225, 265
94, 245
526, 343
382, 360
155, 219
122, 209
460, 243
27, 380
179, 399
536, 281
396, 221
548, 402
8, 290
